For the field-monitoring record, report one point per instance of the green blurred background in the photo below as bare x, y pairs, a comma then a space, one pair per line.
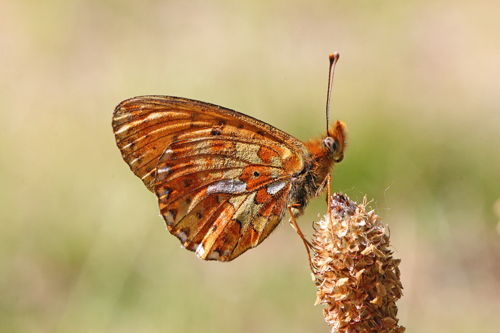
82, 247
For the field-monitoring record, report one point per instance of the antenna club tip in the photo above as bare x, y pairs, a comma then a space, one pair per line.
334, 57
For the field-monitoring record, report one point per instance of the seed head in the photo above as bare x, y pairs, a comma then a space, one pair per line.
358, 280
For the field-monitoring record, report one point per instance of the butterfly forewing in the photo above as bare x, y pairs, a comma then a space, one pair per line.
144, 127
223, 179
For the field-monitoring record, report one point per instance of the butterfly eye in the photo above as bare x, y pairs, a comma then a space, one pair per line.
331, 144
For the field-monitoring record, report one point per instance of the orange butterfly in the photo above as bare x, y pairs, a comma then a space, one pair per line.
223, 179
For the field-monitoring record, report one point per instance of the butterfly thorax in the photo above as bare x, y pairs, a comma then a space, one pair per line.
324, 153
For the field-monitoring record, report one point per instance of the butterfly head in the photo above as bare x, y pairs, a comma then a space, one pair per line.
335, 141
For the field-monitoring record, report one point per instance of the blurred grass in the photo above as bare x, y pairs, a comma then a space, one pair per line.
81, 245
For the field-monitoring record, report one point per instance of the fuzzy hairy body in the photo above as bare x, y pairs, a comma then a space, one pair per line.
310, 183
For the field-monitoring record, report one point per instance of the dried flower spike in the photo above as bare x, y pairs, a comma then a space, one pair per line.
357, 278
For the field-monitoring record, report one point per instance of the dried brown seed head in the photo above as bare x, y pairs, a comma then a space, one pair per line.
358, 280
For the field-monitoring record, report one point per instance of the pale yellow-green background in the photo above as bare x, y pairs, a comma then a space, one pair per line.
82, 248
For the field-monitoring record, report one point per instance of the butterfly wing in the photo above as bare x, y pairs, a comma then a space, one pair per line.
223, 179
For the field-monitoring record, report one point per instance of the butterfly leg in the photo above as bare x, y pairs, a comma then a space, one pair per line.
295, 226
328, 180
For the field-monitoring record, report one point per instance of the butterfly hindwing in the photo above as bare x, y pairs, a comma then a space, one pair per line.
221, 197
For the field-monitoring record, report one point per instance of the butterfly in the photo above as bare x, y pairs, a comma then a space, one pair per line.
223, 180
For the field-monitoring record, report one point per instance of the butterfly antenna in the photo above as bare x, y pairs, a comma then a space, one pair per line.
333, 60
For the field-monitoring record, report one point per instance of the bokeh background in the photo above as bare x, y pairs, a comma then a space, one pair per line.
82, 247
